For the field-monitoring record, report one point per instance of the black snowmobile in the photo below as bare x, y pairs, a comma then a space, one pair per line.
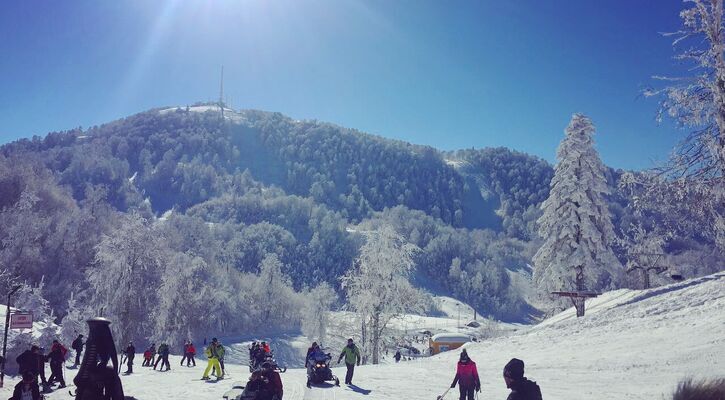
320, 371
256, 362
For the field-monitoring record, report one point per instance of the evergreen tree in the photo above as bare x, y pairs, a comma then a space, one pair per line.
576, 224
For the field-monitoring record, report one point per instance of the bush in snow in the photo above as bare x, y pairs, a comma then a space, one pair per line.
700, 390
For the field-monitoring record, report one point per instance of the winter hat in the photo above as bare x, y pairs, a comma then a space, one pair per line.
514, 369
464, 355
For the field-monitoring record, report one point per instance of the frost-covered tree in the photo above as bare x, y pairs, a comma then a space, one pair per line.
315, 313
697, 102
272, 292
74, 322
576, 225
127, 277
377, 286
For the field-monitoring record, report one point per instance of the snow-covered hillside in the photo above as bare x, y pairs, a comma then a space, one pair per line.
630, 345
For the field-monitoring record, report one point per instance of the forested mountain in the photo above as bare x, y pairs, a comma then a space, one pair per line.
230, 199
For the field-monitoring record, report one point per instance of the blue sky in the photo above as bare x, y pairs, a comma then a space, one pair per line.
450, 74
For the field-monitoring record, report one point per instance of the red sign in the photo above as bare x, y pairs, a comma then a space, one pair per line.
21, 321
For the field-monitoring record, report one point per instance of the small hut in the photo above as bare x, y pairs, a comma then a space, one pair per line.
447, 341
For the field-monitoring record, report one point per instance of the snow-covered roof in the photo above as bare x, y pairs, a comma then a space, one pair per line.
451, 338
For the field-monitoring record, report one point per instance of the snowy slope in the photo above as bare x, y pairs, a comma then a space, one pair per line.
631, 345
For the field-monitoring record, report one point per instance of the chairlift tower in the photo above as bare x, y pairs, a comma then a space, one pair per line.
579, 296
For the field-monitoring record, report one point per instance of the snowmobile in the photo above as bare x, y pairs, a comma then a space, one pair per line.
320, 371
256, 363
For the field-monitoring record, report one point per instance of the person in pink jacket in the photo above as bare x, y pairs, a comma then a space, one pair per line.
466, 377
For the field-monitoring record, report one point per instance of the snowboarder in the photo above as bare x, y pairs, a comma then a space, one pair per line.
56, 358
27, 389
213, 361
130, 353
352, 355
163, 357
274, 382
397, 356
466, 377
521, 388
77, 345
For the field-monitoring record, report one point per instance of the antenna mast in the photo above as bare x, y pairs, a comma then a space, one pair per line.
221, 93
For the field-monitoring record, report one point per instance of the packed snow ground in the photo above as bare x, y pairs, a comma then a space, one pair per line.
630, 345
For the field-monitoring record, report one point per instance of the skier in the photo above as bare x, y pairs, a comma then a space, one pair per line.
77, 345
521, 388
213, 361
351, 354
56, 358
274, 382
27, 389
147, 362
192, 353
130, 353
220, 352
147, 357
163, 357
466, 377
397, 356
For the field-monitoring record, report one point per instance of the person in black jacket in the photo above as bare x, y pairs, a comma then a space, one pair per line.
521, 388
77, 345
57, 359
32, 361
29, 385
130, 353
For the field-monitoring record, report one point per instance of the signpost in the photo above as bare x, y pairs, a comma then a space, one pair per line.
21, 320
5, 340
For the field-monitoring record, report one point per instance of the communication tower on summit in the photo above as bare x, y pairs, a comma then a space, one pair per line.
221, 93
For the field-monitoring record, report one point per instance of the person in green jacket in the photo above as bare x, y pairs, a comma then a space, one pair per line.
352, 357
212, 354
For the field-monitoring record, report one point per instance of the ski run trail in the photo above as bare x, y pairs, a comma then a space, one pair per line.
632, 344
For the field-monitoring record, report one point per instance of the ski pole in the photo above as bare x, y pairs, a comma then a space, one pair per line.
443, 395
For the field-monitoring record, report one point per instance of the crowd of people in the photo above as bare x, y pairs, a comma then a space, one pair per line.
31, 365
265, 381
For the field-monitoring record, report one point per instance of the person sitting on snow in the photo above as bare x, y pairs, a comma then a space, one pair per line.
521, 388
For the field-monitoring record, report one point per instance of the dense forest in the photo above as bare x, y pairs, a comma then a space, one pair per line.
204, 207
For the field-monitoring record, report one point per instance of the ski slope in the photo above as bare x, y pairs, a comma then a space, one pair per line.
630, 345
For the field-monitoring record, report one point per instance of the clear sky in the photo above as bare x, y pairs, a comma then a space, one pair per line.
450, 74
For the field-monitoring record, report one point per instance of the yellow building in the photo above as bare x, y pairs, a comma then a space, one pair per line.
447, 341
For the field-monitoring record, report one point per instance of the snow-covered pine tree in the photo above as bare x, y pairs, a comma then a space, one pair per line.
74, 322
576, 224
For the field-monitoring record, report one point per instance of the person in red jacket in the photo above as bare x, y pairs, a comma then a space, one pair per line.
192, 353
274, 382
466, 377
